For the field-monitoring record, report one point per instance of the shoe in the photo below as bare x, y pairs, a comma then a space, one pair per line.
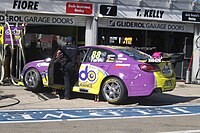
67, 98
61, 97
61, 94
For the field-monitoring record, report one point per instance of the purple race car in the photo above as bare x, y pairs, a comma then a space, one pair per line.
113, 71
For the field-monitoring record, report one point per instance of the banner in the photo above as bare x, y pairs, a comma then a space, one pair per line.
16, 35
1, 35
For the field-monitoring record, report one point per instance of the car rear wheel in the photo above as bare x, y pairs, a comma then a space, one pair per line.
114, 90
32, 80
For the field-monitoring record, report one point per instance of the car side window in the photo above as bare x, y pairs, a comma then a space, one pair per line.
82, 54
100, 55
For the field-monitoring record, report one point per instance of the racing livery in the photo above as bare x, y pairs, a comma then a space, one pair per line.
115, 72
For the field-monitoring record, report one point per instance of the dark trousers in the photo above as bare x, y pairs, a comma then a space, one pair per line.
67, 84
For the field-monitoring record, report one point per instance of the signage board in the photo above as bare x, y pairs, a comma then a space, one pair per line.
108, 10
148, 13
150, 25
79, 8
38, 19
58, 7
190, 16
1, 34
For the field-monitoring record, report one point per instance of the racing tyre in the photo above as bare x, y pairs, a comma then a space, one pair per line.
114, 91
32, 80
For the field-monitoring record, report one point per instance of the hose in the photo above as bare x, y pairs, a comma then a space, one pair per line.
12, 53
197, 42
20, 45
191, 58
2, 59
20, 54
21, 50
198, 48
11, 104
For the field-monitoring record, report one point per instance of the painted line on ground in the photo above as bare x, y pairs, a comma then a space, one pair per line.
47, 115
185, 131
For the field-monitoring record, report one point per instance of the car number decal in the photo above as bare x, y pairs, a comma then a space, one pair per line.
98, 56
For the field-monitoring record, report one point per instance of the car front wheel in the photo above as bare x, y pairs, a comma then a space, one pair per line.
32, 80
114, 90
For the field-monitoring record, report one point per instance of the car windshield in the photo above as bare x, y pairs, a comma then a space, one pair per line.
137, 55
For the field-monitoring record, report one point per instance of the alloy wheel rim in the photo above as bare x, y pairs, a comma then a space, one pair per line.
112, 90
31, 78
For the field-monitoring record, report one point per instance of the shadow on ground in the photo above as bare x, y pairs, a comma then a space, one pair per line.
6, 96
153, 100
45, 95
160, 100
52, 94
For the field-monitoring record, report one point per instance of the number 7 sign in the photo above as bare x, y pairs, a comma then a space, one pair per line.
108, 10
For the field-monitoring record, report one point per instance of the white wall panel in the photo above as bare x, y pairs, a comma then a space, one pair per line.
80, 21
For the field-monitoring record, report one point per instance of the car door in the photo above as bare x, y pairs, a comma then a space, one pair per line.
55, 75
93, 69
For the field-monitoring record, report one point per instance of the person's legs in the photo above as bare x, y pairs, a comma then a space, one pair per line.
67, 85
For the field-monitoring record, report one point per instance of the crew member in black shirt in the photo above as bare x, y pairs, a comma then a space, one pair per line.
68, 63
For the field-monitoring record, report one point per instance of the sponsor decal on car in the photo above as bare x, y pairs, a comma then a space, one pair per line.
155, 60
166, 70
122, 58
42, 64
86, 74
122, 65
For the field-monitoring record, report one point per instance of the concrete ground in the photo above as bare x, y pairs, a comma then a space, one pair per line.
19, 98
